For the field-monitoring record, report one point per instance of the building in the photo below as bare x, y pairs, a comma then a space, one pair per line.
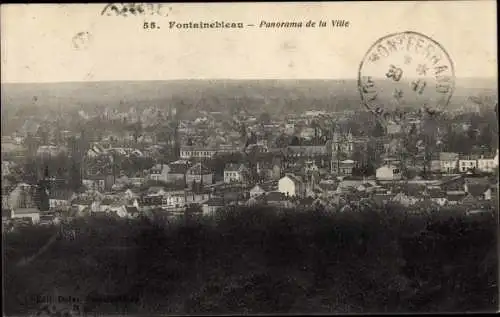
467, 163
480, 188
388, 173
307, 150
448, 162
177, 171
343, 168
263, 188
159, 172
235, 173
270, 170
189, 152
488, 165
200, 174
210, 206
342, 144
31, 214
291, 185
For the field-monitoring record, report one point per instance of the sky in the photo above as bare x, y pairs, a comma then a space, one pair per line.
37, 40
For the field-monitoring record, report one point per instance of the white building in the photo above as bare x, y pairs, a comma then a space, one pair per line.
160, 172
448, 162
291, 185
388, 173
234, 173
467, 164
189, 152
26, 213
488, 164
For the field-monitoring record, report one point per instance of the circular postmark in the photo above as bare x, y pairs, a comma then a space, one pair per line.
406, 70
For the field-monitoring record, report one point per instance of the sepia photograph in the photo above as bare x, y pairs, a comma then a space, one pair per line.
249, 158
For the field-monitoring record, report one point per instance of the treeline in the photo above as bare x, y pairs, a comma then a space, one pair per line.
262, 261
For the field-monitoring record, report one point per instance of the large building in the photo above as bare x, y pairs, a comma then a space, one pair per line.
189, 152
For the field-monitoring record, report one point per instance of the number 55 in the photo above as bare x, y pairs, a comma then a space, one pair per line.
149, 25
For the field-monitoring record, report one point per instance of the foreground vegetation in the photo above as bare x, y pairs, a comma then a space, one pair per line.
259, 261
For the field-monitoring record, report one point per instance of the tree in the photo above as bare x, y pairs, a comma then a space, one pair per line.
378, 130
41, 197
295, 141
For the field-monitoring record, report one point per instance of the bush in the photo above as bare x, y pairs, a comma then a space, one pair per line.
258, 260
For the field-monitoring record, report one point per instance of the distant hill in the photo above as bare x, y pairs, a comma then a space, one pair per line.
274, 96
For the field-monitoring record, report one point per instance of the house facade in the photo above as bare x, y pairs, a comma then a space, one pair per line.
291, 185
388, 173
448, 162
189, 152
199, 173
467, 163
32, 214
488, 164
235, 173
159, 172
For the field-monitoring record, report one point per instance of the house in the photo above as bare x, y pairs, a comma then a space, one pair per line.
60, 198
291, 185
343, 168
277, 199
270, 170
31, 214
126, 212
213, 204
130, 194
95, 150
196, 197
405, 199
235, 173
365, 187
469, 201
19, 197
488, 165
174, 199
150, 202
157, 191
6, 167
382, 198
328, 187
453, 199
467, 163
159, 172
6, 214
437, 196
177, 171
388, 173
349, 184
260, 189
307, 150
137, 181
189, 152
449, 162
106, 204
478, 188
200, 174
81, 203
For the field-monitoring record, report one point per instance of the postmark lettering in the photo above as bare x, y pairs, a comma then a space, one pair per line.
406, 69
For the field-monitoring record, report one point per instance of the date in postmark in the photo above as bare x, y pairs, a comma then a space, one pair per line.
406, 69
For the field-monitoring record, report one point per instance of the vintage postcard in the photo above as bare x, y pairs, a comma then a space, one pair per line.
252, 158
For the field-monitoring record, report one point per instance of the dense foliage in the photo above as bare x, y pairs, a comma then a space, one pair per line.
261, 261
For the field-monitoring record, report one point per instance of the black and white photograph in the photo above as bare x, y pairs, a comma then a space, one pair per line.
249, 158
